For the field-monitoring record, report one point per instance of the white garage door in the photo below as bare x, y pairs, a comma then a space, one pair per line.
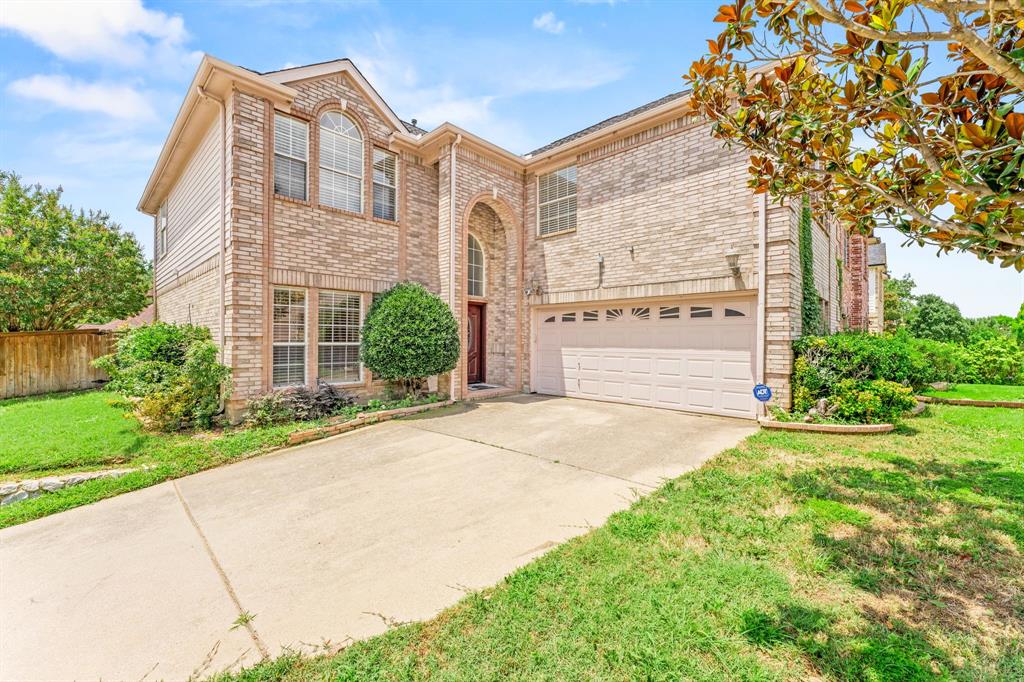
688, 355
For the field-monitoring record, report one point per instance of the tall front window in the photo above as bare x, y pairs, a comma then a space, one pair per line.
475, 273
385, 185
289, 337
341, 162
556, 201
291, 153
338, 349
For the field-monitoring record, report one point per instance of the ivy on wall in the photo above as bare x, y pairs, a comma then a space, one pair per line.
810, 308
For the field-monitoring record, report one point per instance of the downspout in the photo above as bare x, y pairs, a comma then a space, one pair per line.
451, 254
762, 294
223, 180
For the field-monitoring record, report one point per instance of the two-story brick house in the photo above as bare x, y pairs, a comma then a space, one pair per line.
626, 262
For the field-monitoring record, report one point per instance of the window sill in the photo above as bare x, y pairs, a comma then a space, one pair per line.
561, 233
342, 211
385, 221
292, 200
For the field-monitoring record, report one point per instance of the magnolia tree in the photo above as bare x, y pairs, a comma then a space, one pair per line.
901, 113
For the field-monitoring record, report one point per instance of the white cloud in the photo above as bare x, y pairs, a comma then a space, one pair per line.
117, 100
549, 23
118, 31
468, 83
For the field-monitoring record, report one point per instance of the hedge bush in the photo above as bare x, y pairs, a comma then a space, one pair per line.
409, 334
171, 371
871, 402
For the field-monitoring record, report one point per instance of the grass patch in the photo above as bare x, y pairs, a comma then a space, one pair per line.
793, 556
981, 392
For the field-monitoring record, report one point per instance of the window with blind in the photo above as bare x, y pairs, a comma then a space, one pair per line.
161, 238
385, 185
289, 344
475, 272
556, 197
338, 348
341, 162
291, 153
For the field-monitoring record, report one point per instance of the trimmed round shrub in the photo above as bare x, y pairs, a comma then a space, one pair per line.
409, 334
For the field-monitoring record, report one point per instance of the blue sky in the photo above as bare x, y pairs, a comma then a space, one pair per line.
88, 89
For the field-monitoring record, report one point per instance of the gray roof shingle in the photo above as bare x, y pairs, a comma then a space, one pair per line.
609, 122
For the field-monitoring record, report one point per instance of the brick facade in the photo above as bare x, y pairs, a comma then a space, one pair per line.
664, 211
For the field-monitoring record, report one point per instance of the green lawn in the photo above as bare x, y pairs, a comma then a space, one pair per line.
981, 392
793, 556
50, 435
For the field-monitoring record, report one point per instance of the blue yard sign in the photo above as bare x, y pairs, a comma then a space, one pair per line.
762, 393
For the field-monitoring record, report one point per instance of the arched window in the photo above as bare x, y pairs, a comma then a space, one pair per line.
341, 162
475, 275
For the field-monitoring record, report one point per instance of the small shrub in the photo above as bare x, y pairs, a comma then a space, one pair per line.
873, 402
296, 404
172, 371
409, 334
997, 360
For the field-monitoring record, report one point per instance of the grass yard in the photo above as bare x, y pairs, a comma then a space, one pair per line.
63, 433
795, 556
981, 392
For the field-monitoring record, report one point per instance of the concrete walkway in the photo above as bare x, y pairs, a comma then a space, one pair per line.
329, 542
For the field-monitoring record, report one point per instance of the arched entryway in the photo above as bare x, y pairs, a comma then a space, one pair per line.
490, 355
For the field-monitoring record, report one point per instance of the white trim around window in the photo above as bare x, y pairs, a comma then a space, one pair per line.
288, 331
385, 185
556, 202
341, 162
161, 235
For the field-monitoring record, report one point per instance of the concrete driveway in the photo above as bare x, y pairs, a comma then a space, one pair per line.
328, 542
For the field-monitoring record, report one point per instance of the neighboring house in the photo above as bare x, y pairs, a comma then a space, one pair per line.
626, 262
877, 274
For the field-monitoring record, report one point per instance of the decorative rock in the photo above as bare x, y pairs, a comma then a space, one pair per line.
51, 484
16, 497
822, 405
939, 386
30, 486
7, 489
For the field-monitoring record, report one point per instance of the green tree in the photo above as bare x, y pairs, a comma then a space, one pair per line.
890, 112
899, 301
58, 268
409, 334
935, 318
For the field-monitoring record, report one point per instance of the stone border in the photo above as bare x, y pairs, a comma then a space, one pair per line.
826, 428
16, 491
362, 420
1015, 404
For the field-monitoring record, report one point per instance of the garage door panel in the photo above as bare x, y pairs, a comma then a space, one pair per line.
701, 364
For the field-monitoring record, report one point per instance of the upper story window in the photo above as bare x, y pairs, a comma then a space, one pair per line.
556, 201
161, 230
291, 155
341, 162
475, 273
385, 185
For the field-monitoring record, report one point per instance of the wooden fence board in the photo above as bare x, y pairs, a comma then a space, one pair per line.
48, 362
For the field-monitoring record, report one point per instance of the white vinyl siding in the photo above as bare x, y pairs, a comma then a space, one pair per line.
291, 155
341, 162
475, 272
556, 201
385, 185
340, 322
289, 337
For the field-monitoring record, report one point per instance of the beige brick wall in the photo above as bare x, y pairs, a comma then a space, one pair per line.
193, 298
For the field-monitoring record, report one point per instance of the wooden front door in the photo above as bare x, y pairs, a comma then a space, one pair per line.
476, 345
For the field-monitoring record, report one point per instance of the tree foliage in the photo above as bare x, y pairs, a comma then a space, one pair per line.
903, 113
409, 334
898, 301
937, 319
58, 268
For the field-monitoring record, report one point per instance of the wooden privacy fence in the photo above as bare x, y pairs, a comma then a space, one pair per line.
47, 362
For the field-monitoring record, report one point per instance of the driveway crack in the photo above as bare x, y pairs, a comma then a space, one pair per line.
264, 651
530, 454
